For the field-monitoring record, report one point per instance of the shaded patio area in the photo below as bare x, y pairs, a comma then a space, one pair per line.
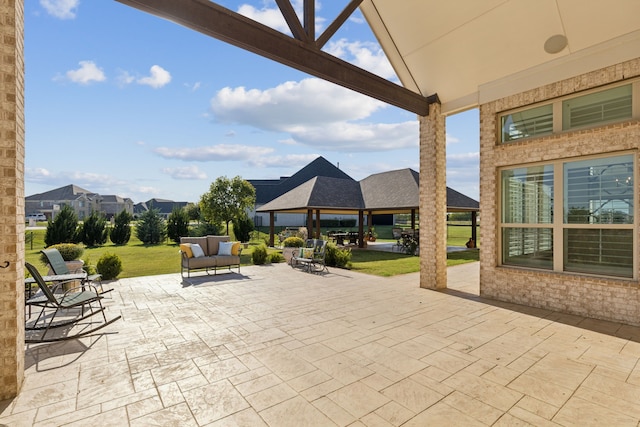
275, 346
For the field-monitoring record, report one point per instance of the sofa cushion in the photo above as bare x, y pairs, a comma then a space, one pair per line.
197, 250
202, 241
235, 250
213, 242
186, 248
224, 248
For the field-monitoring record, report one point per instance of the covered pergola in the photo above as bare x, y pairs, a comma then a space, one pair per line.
393, 192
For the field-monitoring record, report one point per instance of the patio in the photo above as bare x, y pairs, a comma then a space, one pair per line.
275, 346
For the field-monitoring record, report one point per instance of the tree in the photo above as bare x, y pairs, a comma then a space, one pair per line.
151, 228
193, 211
227, 200
63, 227
242, 228
94, 231
121, 232
177, 224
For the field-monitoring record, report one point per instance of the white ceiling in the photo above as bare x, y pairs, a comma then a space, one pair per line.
474, 51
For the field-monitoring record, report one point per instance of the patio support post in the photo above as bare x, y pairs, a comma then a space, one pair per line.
12, 349
317, 223
474, 231
433, 200
309, 223
413, 219
272, 228
361, 228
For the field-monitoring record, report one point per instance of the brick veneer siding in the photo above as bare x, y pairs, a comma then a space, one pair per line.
11, 197
609, 299
433, 200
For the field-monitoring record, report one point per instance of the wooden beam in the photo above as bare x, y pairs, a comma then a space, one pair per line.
216, 21
337, 23
292, 20
310, 18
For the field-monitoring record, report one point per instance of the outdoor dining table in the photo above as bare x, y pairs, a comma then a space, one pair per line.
352, 236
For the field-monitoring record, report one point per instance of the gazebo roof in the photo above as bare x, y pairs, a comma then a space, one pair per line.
383, 193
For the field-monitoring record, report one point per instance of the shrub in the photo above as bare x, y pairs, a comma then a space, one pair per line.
242, 228
94, 231
69, 252
121, 231
276, 257
337, 257
178, 224
63, 228
151, 228
109, 266
204, 229
259, 255
293, 242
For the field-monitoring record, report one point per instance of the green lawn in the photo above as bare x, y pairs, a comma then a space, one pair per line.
141, 260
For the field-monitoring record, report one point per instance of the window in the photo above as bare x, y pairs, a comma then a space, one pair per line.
524, 124
596, 230
527, 215
594, 108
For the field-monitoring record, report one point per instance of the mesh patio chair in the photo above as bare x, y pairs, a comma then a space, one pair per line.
59, 267
75, 304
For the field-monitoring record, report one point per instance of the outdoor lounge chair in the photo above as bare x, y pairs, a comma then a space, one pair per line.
84, 298
313, 260
59, 267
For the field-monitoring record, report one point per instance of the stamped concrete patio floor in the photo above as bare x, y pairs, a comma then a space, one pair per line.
276, 346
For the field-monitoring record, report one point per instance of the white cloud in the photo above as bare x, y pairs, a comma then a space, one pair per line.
187, 172
366, 55
124, 78
159, 77
292, 104
219, 152
271, 17
63, 9
314, 113
87, 73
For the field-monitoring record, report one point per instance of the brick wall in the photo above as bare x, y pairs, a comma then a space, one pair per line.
11, 197
609, 299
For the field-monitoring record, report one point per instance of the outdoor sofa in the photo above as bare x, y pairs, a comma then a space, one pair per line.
208, 253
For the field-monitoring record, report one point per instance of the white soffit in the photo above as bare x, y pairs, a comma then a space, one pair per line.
475, 51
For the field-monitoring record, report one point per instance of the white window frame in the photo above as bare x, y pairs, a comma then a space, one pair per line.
558, 225
557, 111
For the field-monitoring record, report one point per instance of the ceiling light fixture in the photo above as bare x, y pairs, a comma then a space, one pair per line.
555, 44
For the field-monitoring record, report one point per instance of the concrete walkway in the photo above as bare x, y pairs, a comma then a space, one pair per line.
276, 346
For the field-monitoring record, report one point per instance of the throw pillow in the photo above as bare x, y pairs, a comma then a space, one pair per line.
197, 250
225, 248
186, 248
235, 249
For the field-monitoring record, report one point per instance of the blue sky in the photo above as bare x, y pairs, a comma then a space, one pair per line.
122, 102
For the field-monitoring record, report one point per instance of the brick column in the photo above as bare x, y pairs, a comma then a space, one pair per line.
433, 200
11, 197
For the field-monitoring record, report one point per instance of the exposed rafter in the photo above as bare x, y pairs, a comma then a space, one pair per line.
300, 52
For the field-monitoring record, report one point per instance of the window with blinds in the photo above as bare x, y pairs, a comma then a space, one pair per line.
597, 108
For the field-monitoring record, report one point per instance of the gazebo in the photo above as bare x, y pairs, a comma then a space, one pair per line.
393, 192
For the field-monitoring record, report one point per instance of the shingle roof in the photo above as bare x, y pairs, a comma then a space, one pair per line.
68, 192
391, 192
269, 189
